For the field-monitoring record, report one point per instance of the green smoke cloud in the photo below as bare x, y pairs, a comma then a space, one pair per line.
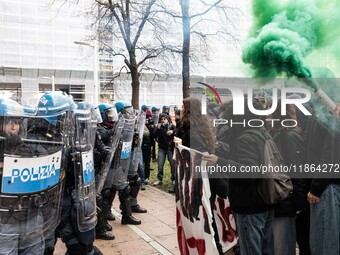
284, 34
288, 37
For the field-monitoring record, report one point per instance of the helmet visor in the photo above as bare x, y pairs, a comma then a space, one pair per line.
112, 115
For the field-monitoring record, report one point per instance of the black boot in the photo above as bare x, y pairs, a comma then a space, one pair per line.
125, 202
109, 216
138, 209
135, 184
102, 226
108, 227
97, 251
130, 220
108, 197
104, 235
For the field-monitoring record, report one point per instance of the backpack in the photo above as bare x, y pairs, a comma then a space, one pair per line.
274, 186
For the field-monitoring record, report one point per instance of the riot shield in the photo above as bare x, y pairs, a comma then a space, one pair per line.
84, 192
105, 166
32, 171
123, 152
137, 144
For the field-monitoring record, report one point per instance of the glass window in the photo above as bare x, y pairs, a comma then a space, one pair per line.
11, 8
12, 47
28, 8
45, 49
44, 36
11, 33
61, 49
45, 61
28, 20
29, 48
60, 23
29, 61
60, 37
11, 18
11, 59
28, 35
61, 62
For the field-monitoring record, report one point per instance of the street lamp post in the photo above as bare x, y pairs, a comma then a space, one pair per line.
53, 81
95, 68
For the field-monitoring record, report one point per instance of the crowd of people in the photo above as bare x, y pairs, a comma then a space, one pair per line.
62, 165
309, 217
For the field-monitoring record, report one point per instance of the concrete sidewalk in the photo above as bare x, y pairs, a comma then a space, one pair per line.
156, 234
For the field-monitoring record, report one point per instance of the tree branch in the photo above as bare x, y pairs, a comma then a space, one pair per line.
207, 10
141, 26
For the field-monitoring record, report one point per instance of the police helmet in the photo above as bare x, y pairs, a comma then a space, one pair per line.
83, 105
123, 107
154, 109
9, 107
144, 107
166, 108
11, 112
29, 110
55, 104
108, 112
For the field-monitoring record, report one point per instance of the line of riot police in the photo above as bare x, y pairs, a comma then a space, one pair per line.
60, 168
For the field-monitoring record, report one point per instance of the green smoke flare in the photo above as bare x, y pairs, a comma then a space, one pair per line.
287, 36
284, 35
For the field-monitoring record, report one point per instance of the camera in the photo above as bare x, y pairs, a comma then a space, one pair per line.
150, 121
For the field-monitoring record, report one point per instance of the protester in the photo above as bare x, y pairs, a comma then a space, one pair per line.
155, 117
292, 148
146, 145
164, 133
324, 194
195, 132
253, 216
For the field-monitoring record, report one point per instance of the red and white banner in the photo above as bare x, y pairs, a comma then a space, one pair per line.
194, 213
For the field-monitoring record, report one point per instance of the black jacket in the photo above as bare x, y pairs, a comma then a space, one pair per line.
247, 149
105, 132
323, 147
165, 141
292, 149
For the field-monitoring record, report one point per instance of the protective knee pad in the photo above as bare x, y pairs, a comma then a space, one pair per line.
134, 178
106, 193
125, 192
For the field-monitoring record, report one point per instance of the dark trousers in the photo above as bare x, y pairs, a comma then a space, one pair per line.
146, 149
302, 232
153, 149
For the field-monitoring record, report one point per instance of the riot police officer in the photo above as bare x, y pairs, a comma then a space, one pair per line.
104, 151
78, 216
32, 174
106, 130
135, 160
122, 164
165, 111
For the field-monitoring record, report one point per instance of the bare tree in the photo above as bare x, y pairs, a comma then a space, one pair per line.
200, 25
125, 22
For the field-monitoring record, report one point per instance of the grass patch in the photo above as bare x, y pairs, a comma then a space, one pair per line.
167, 183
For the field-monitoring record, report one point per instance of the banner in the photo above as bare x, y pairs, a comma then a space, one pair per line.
194, 213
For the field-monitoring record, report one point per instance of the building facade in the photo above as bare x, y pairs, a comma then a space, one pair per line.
37, 49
